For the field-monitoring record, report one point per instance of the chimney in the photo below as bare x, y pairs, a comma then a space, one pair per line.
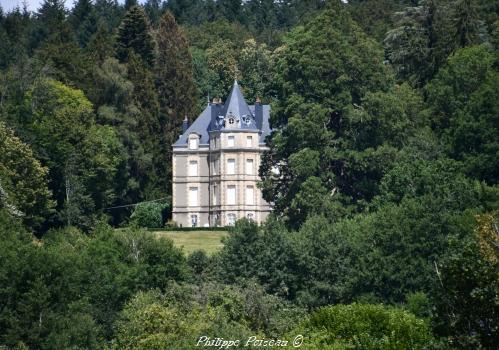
185, 125
258, 113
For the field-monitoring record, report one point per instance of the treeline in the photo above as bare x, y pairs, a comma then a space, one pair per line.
386, 129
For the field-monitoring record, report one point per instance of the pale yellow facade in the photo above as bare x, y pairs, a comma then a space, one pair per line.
215, 169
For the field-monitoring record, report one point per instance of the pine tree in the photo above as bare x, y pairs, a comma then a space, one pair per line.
466, 22
101, 45
83, 20
174, 78
153, 10
134, 35
51, 21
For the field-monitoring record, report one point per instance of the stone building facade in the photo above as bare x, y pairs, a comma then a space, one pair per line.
216, 162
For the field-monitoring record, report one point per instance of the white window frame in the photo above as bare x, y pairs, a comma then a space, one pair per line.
249, 141
249, 195
193, 142
231, 166
193, 200
231, 141
231, 195
249, 168
193, 168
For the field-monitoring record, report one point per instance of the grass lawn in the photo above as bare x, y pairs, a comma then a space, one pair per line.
209, 241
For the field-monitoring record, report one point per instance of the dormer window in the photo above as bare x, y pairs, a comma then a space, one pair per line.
231, 121
246, 120
193, 141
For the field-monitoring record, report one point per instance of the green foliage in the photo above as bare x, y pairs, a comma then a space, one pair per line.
378, 180
337, 108
221, 60
81, 155
175, 87
69, 277
149, 214
356, 259
134, 36
364, 326
464, 110
178, 318
23, 181
466, 297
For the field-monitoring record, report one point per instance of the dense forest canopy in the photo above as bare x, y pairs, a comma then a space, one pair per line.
385, 117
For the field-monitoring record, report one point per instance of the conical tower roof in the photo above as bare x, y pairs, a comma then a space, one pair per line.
236, 104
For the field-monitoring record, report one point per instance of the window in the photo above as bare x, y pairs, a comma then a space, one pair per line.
193, 168
230, 141
193, 143
231, 166
249, 166
249, 141
250, 195
215, 189
193, 197
215, 167
231, 195
194, 220
231, 121
231, 219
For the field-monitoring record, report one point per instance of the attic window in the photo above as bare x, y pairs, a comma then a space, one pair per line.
231, 121
193, 142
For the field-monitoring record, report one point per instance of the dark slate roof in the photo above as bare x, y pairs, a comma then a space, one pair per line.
255, 117
236, 104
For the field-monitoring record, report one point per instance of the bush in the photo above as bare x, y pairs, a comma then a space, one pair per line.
365, 326
149, 214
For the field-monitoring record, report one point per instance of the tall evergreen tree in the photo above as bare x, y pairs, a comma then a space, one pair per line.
51, 19
134, 35
83, 20
153, 10
101, 44
174, 78
466, 22
109, 12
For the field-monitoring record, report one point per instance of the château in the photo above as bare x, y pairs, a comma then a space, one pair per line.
216, 162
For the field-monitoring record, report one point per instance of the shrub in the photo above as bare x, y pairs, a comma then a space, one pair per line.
149, 214
365, 326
